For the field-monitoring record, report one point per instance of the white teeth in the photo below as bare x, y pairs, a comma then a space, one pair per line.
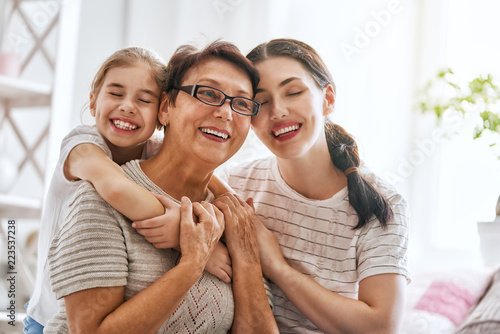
215, 133
285, 130
124, 125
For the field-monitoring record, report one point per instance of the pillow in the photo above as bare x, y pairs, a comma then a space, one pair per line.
485, 318
438, 301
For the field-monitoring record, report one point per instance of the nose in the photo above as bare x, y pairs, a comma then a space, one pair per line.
128, 106
279, 110
224, 111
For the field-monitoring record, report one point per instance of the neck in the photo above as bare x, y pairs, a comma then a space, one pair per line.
122, 155
313, 175
176, 176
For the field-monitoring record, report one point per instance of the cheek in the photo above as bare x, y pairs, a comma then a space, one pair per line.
243, 125
260, 127
258, 122
153, 115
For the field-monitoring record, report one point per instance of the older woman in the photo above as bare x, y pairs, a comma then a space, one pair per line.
110, 279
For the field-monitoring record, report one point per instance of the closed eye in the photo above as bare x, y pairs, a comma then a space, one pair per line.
145, 101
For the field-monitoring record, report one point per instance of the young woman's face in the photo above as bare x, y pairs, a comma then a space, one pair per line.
290, 120
203, 132
126, 107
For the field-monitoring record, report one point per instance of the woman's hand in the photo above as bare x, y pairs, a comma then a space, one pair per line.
198, 240
271, 257
250, 297
162, 231
240, 233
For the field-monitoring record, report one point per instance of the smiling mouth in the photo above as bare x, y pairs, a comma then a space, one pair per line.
124, 125
286, 130
214, 133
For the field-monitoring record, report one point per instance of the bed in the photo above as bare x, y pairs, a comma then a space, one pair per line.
462, 301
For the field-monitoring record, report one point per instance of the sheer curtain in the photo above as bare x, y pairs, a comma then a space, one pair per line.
455, 180
379, 52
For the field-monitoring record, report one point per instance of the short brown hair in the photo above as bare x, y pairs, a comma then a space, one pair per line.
188, 56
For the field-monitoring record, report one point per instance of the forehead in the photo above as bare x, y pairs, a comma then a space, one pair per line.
282, 68
219, 73
137, 74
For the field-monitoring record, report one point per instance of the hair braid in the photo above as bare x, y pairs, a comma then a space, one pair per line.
364, 198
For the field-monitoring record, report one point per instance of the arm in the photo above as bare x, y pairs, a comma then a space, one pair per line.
89, 162
252, 311
377, 310
219, 186
163, 233
103, 310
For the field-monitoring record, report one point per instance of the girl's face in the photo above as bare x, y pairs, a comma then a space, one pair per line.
290, 120
203, 132
126, 107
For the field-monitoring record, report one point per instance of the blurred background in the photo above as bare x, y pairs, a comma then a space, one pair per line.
382, 54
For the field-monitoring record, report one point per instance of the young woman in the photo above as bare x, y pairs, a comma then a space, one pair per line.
332, 236
110, 279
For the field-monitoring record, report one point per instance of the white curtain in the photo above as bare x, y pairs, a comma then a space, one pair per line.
379, 52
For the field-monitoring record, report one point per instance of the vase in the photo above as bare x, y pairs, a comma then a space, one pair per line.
489, 237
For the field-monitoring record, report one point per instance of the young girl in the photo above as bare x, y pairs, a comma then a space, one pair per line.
335, 236
124, 99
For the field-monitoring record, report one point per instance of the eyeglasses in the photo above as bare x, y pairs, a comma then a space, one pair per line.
215, 97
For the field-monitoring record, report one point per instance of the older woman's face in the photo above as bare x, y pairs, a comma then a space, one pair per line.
203, 132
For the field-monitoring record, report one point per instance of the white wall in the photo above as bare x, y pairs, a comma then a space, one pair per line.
373, 74
373, 77
379, 52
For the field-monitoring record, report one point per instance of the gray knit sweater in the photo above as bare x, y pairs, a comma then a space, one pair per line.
97, 247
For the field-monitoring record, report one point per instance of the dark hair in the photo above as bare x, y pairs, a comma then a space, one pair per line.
187, 56
363, 197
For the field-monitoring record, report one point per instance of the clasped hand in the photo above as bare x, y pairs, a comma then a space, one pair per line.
164, 232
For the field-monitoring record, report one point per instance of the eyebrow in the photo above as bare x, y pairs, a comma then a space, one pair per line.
281, 84
146, 91
215, 82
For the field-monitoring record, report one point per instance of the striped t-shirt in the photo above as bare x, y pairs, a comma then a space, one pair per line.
317, 238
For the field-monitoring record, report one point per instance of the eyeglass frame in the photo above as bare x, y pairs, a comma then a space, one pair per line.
193, 91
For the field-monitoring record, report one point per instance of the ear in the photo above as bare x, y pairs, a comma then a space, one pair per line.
163, 111
329, 101
92, 104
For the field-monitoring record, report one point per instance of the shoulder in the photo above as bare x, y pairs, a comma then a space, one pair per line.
89, 250
383, 186
249, 168
86, 201
153, 145
82, 134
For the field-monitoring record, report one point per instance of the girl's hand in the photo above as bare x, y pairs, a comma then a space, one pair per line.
198, 240
219, 263
162, 231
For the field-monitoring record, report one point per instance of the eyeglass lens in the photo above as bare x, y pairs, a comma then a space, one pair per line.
216, 97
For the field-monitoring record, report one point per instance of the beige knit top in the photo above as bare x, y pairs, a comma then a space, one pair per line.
97, 247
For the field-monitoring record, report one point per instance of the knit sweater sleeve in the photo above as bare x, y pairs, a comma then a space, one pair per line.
89, 251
